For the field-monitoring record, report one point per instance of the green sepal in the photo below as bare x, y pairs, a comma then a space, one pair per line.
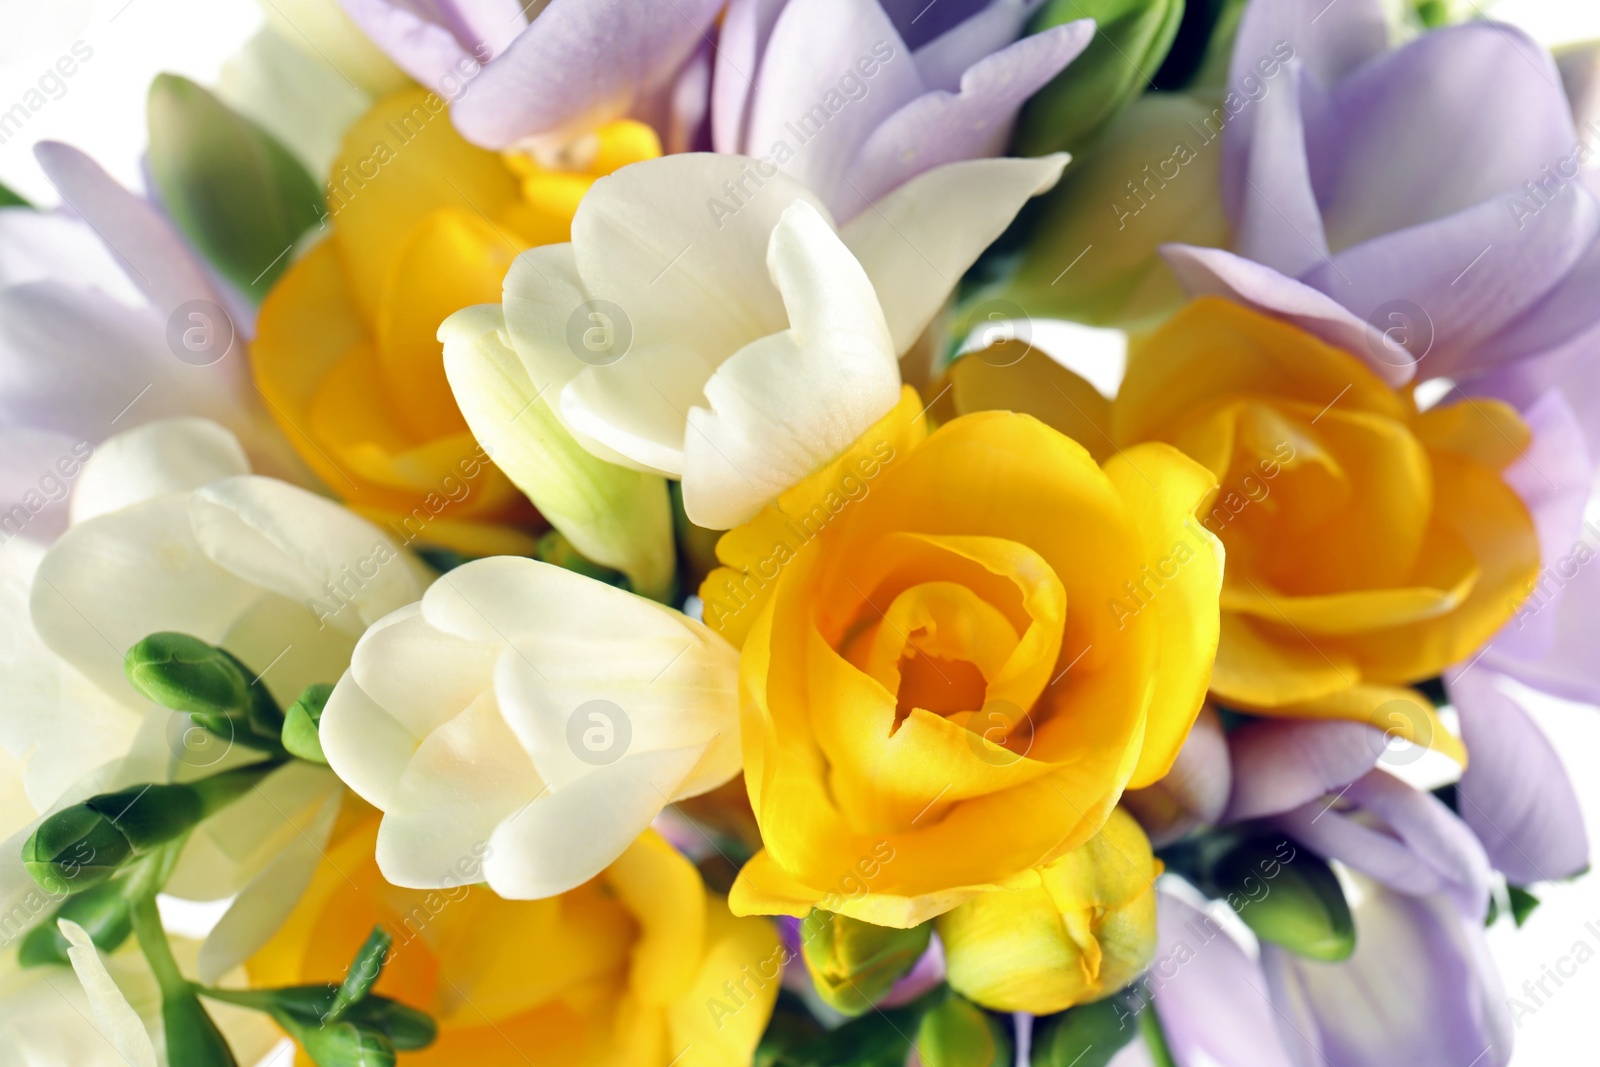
1088, 1035
309, 1006
362, 973
1130, 41
302, 723
10, 198
1522, 904
103, 912
234, 190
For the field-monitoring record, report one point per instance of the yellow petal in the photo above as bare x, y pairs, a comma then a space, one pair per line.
1016, 376
1179, 582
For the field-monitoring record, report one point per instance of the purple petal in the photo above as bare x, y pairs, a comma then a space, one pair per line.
1420, 990
1553, 478
1210, 995
943, 127
746, 26
919, 21
1194, 792
1280, 764
1562, 324
1515, 793
580, 64
484, 27
798, 103
944, 59
1277, 222
1407, 839
421, 47
32, 486
149, 250
1326, 40
1411, 140
1204, 271
1472, 273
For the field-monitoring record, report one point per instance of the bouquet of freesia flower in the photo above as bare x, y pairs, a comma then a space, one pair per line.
588, 531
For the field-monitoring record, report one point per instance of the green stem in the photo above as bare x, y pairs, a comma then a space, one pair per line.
219, 790
153, 942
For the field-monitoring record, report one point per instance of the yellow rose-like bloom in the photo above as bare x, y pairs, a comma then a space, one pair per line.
1075, 930
347, 353
1370, 545
935, 697
639, 967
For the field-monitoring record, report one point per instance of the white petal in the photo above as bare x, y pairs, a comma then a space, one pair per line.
113, 581
110, 1006
304, 547
263, 905
159, 457
787, 404
917, 241
565, 838
364, 744
421, 676
466, 778
620, 518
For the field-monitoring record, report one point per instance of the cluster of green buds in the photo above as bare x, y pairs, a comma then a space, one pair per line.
345, 1025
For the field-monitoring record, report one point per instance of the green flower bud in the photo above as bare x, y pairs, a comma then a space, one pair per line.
302, 722
347, 1044
209, 684
102, 911
1092, 249
854, 963
1295, 902
362, 973
1089, 1035
149, 815
193, 1039
75, 849
1130, 41
958, 1033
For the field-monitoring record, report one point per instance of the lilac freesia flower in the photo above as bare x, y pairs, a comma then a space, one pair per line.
575, 65
1415, 204
89, 298
855, 97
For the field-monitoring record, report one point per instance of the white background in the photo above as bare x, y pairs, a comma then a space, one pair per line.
102, 111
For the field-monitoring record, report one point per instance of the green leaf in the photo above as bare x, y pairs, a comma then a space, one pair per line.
1155, 1038
239, 196
1294, 902
9, 198
302, 723
1522, 904
1131, 39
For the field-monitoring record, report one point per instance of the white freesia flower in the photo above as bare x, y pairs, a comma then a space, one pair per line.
171, 532
709, 322
546, 714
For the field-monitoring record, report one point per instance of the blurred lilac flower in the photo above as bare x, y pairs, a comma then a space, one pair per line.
575, 65
855, 97
91, 298
1399, 209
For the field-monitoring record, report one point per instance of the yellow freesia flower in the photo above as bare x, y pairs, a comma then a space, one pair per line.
1370, 544
639, 967
347, 354
935, 698
1069, 932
